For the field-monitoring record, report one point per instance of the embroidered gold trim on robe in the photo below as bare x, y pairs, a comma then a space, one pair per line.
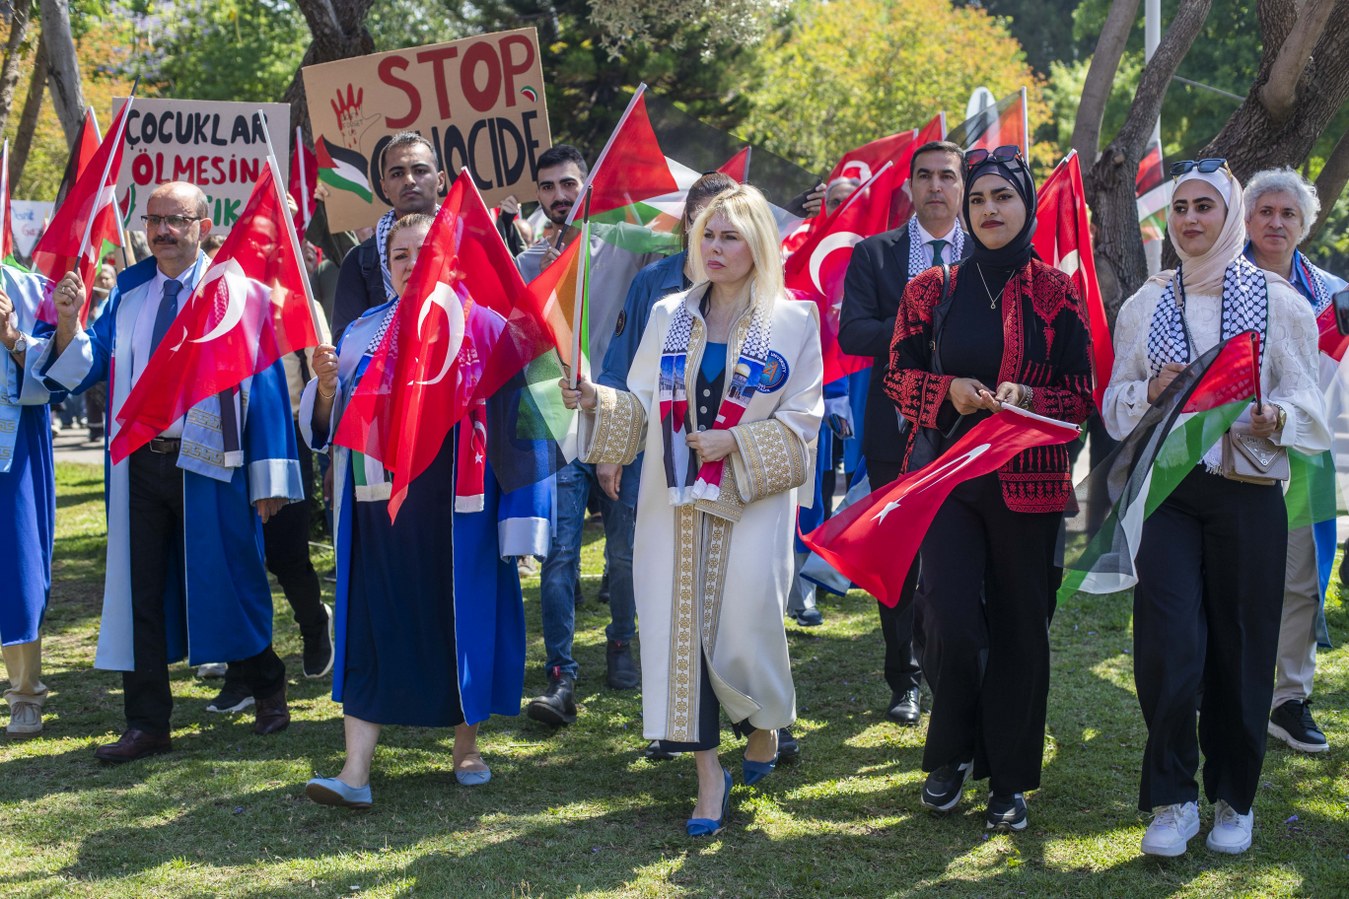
614, 430
685, 661
771, 457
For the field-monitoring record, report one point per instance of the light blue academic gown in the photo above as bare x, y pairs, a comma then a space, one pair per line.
225, 610
27, 476
489, 622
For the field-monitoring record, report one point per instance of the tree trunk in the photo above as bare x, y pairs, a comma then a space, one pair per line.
1295, 95
63, 67
1101, 77
9, 71
1330, 183
32, 105
1110, 183
339, 32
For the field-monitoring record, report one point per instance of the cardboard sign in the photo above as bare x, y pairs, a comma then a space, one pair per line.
30, 220
215, 145
479, 101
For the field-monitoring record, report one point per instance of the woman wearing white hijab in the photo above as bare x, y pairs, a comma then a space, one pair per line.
1211, 558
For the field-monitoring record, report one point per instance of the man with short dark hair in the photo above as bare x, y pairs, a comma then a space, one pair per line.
881, 268
413, 181
185, 572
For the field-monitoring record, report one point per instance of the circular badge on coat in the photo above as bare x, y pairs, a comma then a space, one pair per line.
774, 372
621, 323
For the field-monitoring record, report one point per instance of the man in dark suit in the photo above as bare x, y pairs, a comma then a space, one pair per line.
881, 267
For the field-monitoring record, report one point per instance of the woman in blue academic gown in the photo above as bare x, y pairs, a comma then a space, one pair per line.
407, 650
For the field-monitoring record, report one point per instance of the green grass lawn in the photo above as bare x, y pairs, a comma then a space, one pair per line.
580, 812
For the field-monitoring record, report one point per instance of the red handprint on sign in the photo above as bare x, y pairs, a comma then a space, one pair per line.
348, 108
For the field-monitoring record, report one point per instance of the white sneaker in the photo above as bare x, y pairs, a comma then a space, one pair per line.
1172, 827
1231, 831
212, 669
25, 719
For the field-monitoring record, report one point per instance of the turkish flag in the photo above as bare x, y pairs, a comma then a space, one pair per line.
816, 270
465, 325
631, 167
7, 229
86, 218
81, 154
248, 310
874, 542
1063, 238
303, 171
864, 161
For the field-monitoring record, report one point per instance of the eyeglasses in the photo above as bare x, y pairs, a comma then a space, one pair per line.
1204, 166
175, 222
1005, 153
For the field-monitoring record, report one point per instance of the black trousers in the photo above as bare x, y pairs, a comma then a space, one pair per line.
1206, 626
156, 542
709, 720
903, 670
982, 612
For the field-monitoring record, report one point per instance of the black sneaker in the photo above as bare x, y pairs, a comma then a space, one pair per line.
622, 671
942, 790
232, 697
557, 705
318, 646
656, 753
1006, 813
1292, 722
789, 749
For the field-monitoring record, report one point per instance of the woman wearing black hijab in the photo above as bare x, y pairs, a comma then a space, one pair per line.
988, 579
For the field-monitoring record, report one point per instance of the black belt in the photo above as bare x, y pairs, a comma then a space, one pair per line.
165, 445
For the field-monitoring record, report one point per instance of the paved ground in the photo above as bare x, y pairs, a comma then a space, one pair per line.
73, 445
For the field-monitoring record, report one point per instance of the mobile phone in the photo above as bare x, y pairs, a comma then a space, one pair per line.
1341, 302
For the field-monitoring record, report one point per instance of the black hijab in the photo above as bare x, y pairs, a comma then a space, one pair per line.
1018, 250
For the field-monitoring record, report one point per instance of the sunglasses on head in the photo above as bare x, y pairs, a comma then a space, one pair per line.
1204, 166
1005, 153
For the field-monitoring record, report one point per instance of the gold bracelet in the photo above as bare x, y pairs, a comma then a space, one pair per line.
326, 396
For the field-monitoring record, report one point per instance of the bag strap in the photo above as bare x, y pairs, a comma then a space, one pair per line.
939, 313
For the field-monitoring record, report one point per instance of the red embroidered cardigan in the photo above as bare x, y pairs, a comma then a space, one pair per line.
1046, 345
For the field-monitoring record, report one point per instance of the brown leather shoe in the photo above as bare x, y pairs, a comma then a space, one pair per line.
134, 744
273, 715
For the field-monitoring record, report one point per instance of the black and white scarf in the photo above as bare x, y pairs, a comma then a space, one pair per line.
1245, 307
917, 258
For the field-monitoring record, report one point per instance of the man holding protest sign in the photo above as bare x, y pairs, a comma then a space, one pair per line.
413, 181
182, 506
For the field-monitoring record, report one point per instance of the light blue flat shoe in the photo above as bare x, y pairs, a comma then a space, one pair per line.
331, 791
473, 778
706, 827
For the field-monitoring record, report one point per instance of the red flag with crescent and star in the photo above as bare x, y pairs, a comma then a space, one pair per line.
466, 324
874, 542
816, 270
249, 309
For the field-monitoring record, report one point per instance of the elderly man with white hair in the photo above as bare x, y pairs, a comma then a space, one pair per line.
1281, 206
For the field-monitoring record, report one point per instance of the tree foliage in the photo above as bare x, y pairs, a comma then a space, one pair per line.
1044, 28
838, 75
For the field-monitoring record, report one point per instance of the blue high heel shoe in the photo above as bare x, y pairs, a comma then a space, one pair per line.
706, 827
754, 772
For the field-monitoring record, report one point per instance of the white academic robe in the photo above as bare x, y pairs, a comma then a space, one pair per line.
222, 608
715, 575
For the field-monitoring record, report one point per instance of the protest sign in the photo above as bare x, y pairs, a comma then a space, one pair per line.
217, 146
30, 218
479, 101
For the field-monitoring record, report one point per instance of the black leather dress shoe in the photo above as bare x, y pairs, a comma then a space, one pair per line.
133, 745
273, 715
904, 708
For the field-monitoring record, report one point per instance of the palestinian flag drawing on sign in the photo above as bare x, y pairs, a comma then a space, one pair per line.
343, 169
1101, 538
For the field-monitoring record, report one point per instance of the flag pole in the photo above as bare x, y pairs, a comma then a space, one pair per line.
5, 224
1025, 127
578, 305
320, 321
304, 181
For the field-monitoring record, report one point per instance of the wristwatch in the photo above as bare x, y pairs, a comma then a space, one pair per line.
1283, 417
20, 346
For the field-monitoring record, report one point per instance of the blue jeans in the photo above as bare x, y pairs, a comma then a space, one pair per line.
560, 569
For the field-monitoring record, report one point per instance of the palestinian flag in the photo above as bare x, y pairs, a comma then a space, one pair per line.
1153, 190
1101, 538
995, 126
343, 169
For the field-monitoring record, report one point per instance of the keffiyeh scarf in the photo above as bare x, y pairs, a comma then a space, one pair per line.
1245, 307
686, 480
917, 264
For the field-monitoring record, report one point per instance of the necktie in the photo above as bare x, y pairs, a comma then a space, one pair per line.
938, 251
168, 310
